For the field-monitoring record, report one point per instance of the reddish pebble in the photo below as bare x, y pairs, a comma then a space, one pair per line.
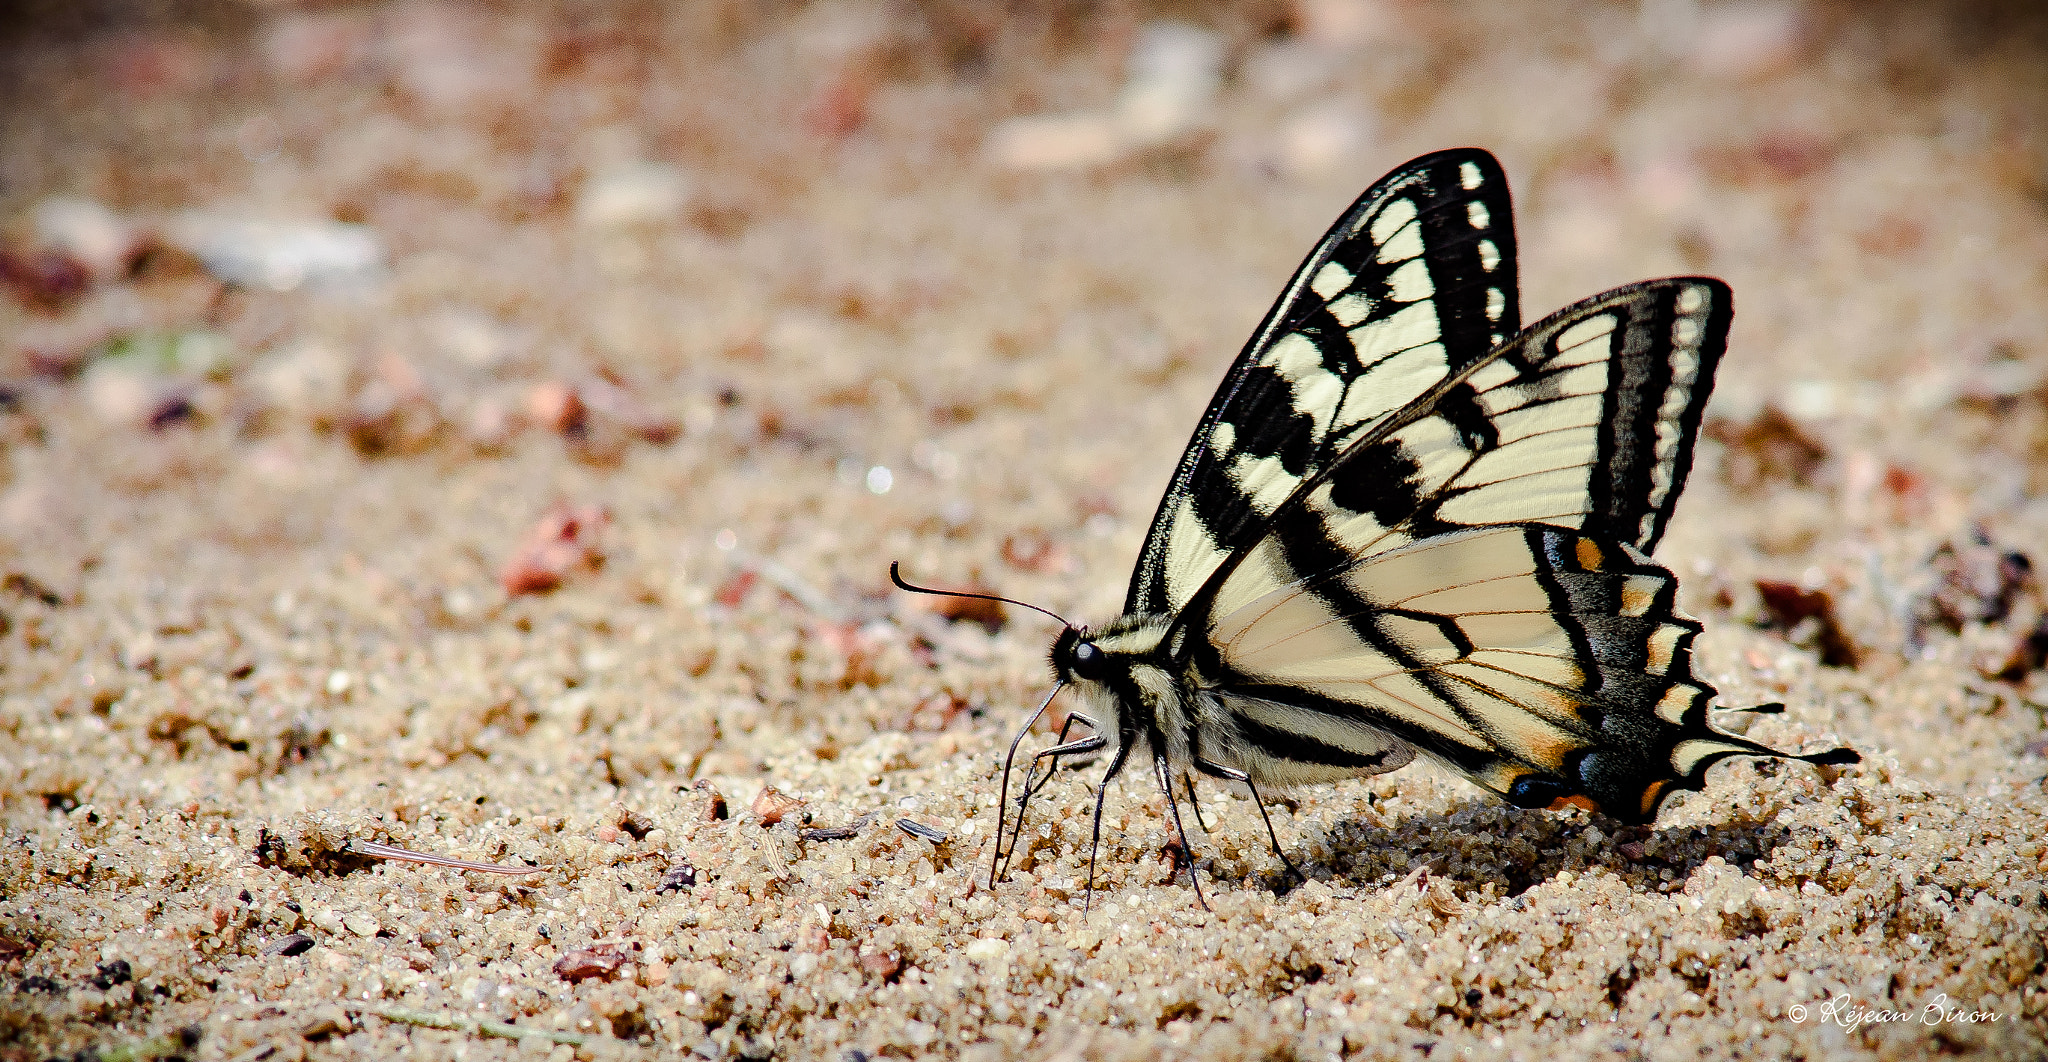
44, 279
586, 963
887, 965
772, 805
842, 107
556, 406
813, 938
563, 542
734, 590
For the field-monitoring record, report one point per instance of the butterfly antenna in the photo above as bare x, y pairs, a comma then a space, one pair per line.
896, 578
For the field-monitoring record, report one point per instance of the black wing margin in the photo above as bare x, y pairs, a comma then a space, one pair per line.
1416, 282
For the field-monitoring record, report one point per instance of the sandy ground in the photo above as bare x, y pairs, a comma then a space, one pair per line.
715, 313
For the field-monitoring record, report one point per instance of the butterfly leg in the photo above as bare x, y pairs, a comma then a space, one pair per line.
1072, 748
1061, 740
1003, 798
1116, 763
1166, 786
1232, 774
1193, 805
1032, 787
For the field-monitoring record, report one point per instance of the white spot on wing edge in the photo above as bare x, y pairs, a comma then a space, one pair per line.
1469, 176
1493, 374
1587, 331
1398, 232
1392, 218
1330, 281
1477, 214
1489, 255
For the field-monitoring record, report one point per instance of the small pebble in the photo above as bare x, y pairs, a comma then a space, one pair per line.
634, 195
563, 542
679, 877
290, 944
771, 805
714, 811
585, 963
280, 254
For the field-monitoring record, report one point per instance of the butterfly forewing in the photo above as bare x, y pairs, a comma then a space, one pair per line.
1415, 282
1583, 421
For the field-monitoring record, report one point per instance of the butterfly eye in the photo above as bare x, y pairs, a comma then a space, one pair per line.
1090, 663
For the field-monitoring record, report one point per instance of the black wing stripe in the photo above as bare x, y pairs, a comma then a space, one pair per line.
1293, 745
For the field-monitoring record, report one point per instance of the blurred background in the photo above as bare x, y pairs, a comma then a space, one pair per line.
432, 421
450, 303
840, 249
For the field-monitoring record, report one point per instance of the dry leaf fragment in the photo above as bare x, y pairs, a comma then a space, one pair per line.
1792, 608
921, 830
1772, 446
837, 833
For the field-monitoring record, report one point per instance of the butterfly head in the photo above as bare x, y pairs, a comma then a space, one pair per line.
1106, 655
1076, 658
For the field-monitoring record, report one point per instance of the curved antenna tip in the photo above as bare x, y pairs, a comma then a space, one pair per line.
896, 576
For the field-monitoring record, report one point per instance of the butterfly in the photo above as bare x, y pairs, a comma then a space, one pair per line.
1408, 526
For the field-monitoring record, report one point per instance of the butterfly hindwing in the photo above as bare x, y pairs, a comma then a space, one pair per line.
1414, 283
1545, 665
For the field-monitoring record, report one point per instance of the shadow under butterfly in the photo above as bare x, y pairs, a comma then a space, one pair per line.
1408, 525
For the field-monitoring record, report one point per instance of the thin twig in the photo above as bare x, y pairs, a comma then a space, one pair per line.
477, 1026
837, 833
177, 1043
796, 586
407, 855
